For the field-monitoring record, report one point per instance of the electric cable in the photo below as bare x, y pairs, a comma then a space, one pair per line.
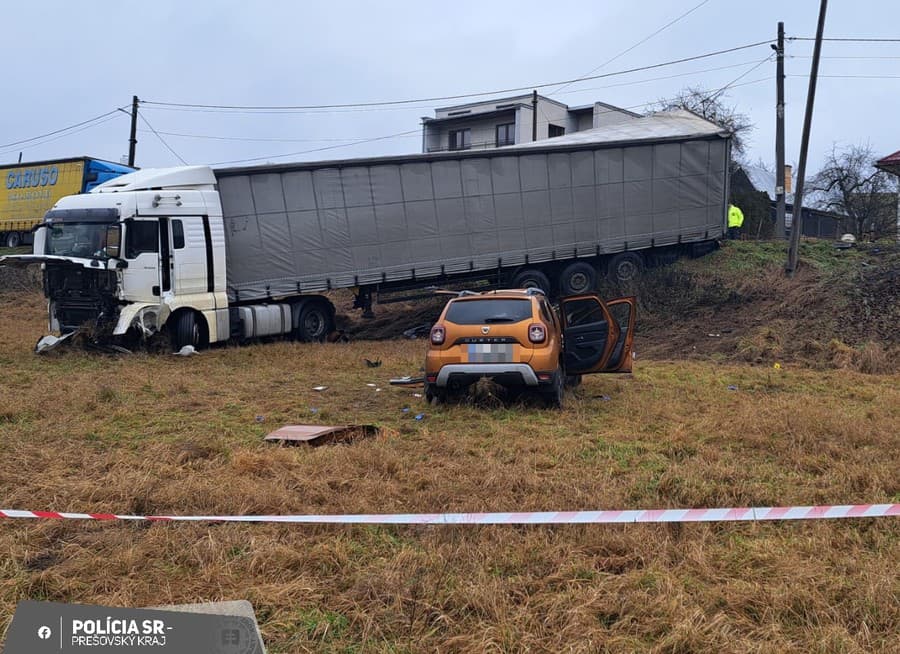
288, 108
641, 42
161, 139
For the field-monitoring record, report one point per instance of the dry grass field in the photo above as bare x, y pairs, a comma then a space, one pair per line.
164, 434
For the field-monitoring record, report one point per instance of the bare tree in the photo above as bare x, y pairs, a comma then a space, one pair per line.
853, 187
711, 105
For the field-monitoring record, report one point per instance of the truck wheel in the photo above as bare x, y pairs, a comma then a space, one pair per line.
187, 331
13, 240
532, 278
314, 323
625, 267
577, 278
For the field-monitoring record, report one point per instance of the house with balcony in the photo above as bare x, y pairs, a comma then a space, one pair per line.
507, 121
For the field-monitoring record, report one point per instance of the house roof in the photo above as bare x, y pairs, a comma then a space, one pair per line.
890, 163
764, 180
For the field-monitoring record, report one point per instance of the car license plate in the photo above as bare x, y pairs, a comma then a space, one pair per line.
490, 352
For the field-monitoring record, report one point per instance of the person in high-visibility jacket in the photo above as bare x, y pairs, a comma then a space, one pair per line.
735, 222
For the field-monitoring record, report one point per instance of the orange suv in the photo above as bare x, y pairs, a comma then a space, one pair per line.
519, 340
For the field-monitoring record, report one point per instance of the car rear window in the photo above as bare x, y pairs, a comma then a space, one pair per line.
488, 312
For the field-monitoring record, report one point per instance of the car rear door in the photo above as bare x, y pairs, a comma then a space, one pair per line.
594, 339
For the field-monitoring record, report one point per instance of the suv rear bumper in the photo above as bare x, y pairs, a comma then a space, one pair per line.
521, 372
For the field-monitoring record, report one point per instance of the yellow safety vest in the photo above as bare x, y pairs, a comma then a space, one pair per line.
735, 216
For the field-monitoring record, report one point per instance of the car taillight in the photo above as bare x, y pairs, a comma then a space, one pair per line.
537, 333
438, 334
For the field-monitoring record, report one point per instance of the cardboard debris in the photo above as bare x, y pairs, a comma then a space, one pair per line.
321, 434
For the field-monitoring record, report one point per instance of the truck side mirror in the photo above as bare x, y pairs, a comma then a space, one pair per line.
113, 240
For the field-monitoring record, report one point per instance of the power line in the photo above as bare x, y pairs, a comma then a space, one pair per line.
162, 140
846, 39
63, 129
288, 108
253, 139
657, 79
641, 42
69, 133
329, 147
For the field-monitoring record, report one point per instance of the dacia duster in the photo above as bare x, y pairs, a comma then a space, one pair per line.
519, 340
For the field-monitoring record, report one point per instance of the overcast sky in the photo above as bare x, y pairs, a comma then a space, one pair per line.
67, 62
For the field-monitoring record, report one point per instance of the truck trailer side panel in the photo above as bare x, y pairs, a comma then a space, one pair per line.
313, 228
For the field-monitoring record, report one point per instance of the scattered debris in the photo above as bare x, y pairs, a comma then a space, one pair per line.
260, 418
420, 416
49, 342
715, 335
313, 409
602, 398
417, 395
377, 390
373, 364
776, 365
732, 387
321, 434
418, 330
407, 381
320, 388
405, 409
371, 385
338, 336
186, 351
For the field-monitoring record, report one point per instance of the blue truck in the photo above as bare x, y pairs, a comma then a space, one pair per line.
30, 189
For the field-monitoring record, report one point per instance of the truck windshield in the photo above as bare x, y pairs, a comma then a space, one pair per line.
84, 240
488, 311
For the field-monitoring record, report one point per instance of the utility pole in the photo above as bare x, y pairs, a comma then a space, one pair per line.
779, 135
534, 115
132, 142
797, 221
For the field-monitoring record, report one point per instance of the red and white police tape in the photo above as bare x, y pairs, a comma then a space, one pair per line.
745, 514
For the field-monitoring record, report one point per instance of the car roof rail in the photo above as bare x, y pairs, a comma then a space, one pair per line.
534, 291
466, 292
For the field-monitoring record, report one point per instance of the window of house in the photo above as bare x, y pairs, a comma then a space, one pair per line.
460, 139
506, 134
555, 130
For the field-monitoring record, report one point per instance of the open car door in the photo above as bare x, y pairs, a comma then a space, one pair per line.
597, 336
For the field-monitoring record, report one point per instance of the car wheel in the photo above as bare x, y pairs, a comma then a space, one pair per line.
13, 240
554, 395
573, 381
532, 278
625, 267
577, 278
434, 395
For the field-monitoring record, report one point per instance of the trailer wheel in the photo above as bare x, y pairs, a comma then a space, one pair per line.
532, 278
13, 240
315, 322
187, 331
577, 278
625, 267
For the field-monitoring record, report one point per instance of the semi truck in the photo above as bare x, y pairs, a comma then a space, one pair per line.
30, 189
207, 255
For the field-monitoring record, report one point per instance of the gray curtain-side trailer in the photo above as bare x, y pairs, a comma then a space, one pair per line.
654, 182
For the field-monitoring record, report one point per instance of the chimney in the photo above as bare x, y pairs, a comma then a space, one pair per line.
788, 176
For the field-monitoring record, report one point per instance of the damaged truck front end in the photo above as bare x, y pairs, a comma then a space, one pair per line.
78, 251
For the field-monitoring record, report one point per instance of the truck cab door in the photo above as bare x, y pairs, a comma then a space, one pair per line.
597, 336
141, 279
188, 265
